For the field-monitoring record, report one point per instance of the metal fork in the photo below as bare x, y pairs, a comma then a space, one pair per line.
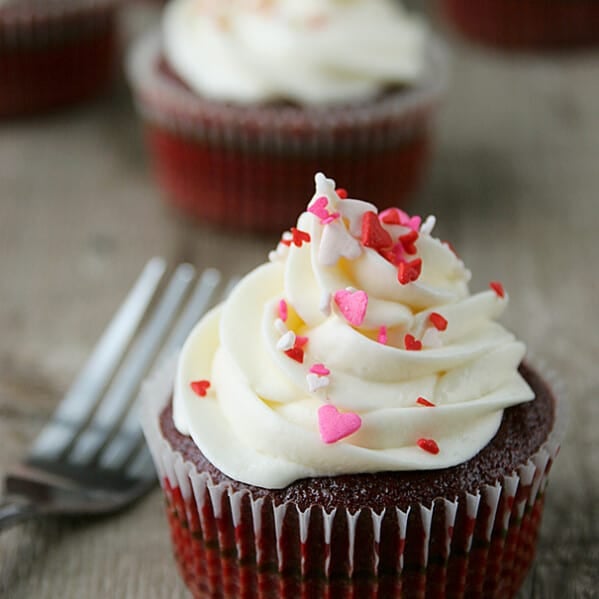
91, 457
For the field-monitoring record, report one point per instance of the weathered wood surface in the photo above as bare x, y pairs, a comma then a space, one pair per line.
515, 184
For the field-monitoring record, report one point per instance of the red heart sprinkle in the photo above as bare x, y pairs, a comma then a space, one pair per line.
373, 234
296, 353
425, 402
408, 240
438, 321
300, 341
299, 236
409, 271
497, 287
412, 343
200, 387
342, 193
428, 445
286, 242
391, 216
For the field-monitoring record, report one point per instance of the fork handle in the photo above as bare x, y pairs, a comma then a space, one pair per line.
14, 511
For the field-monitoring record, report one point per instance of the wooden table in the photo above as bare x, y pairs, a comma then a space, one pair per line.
514, 183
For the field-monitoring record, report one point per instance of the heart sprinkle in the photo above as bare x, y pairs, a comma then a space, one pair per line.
342, 193
300, 341
283, 312
280, 326
319, 207
296, 353
382, 335
287, 341
200, 387
316, 382
408, 240
428, 445
408, 272
412, 343
320, 370
394, 255
425, 402
438, 321
497, 287
352, 305
373, 234
334, 425
299, 237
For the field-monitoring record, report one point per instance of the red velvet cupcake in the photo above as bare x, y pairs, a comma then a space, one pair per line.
252, 113
352, 422
526, 24
54, 53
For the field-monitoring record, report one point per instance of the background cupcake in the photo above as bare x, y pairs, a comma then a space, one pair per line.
242, 96
526, 24
353, 422
54, 52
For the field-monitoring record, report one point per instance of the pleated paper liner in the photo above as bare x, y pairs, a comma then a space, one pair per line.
54, 53
251, 167
526, 25
229, 544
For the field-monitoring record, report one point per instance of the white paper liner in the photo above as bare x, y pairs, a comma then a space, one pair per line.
375, 124
197, 488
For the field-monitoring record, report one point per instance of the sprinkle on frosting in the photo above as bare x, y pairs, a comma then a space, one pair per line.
320, 370
342, 193
411, 343
334, 425
316, 382
283, 312
438, 321
497, 287
353, 305
299, 237
428, 445
408, 272
425, 402
200, 387
295, 353
287, 341
373, 234
382, 335
407, 241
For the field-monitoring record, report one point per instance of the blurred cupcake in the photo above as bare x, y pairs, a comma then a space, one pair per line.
352, 422
526, 24
54, 53
244, 100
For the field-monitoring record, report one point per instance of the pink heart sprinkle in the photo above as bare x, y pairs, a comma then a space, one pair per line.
331, 218
382, 336
283, 312
319, 208
334, 425
320, 370
353, 305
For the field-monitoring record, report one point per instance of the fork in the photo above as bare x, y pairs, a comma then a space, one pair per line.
91, 457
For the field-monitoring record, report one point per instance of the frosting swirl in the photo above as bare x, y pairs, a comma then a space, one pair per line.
310, 52
357, 348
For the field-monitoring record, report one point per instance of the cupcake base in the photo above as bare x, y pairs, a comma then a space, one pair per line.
54, 59
527, 24
251, 166
462, 532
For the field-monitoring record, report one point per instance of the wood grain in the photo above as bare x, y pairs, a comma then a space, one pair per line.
514, 183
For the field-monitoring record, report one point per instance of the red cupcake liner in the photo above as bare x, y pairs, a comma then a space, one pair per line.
56, 54
251, 167
229, 544
526, 24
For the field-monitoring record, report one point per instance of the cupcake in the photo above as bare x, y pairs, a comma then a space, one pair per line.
242, 96
352, 422
544, 25
54, 53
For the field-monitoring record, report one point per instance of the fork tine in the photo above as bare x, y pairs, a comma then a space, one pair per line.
81, 398
120, 449
132, 370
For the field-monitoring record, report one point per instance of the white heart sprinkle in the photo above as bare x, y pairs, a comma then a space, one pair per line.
335, 243
281, 326
287, 341
316, 382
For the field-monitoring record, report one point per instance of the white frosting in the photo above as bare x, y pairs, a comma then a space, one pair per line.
311, 52
259, 422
